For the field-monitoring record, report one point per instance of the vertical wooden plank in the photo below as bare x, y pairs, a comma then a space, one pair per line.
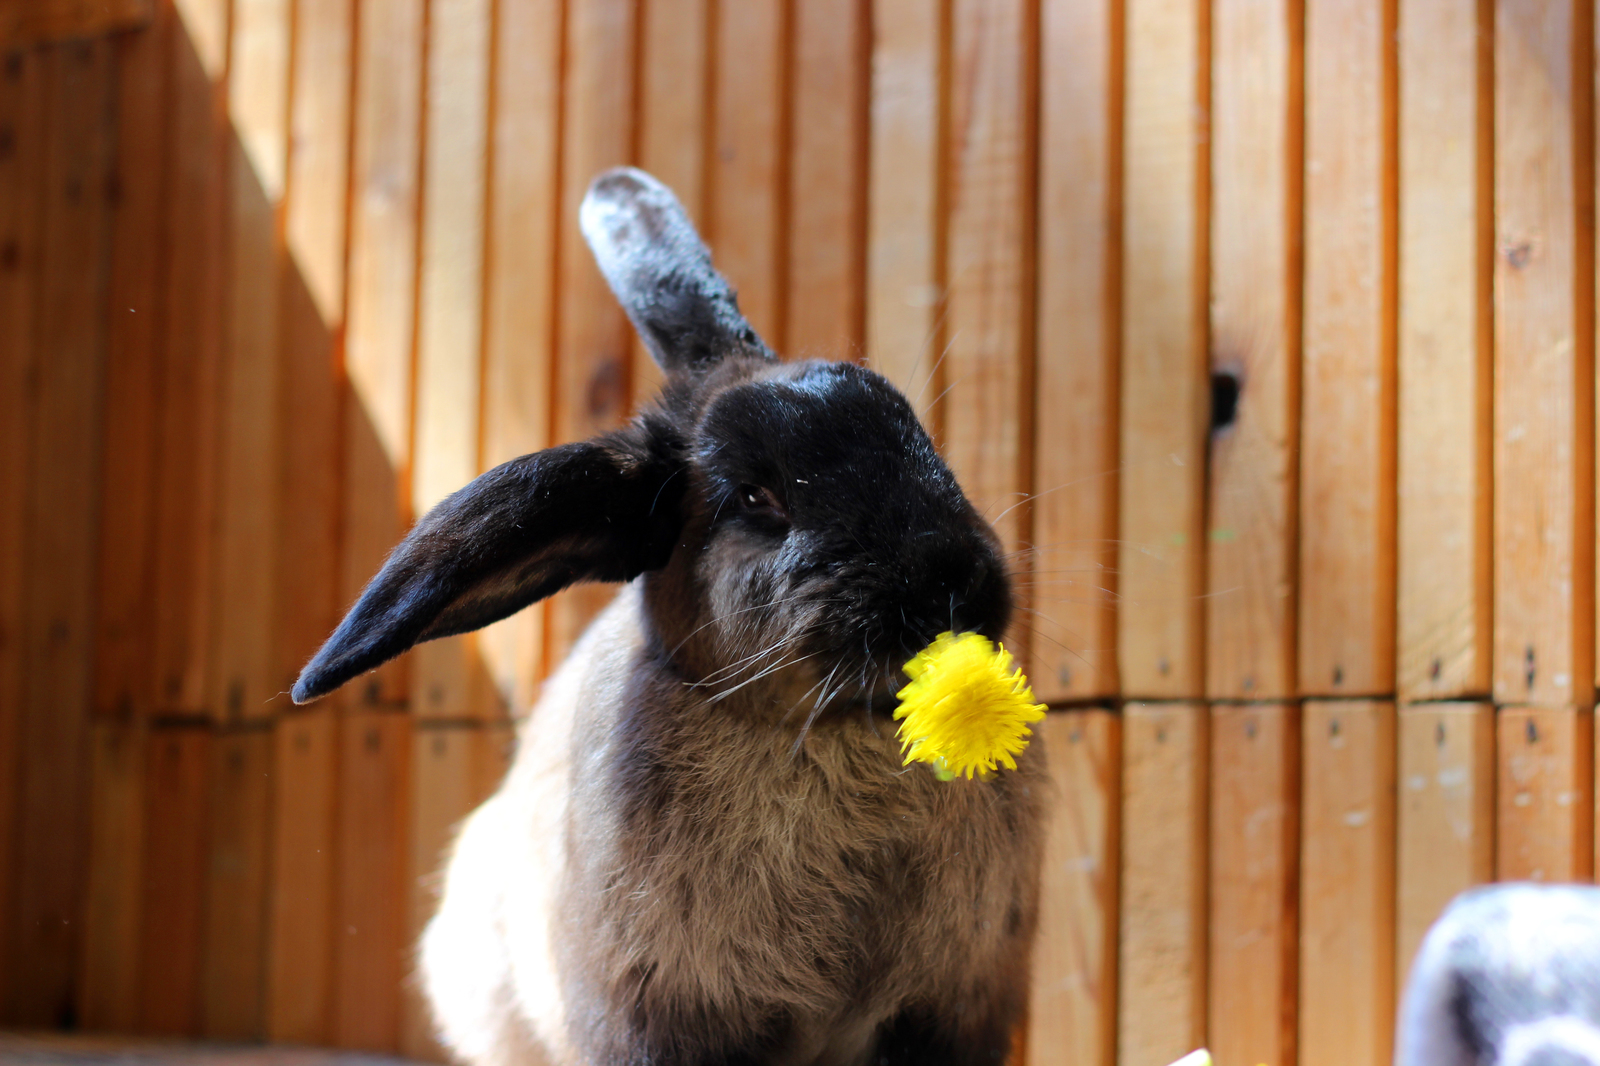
62, 525
108, 989
243, 676
1160, 557
22, 126
1347, 450
1075, 407
1161, 972
826, 200
301, 919
1445, 198
1544, 363
450, 308
674, 106
1255, 835
1544, 804
233, 974
444, 789
1073, 1011
311, 289
989, 361
125, 581
745, 224
193, 291
1255, 335
175, 813
593, 338
1347, 985
311, 292
519, 326
372, 855
381, 308
905, 238
1445, 833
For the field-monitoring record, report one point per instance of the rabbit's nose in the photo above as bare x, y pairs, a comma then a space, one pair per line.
962, 588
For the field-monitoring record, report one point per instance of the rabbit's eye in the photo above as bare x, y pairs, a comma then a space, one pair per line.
756, 498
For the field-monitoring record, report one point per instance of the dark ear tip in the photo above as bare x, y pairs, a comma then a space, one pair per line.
309, 688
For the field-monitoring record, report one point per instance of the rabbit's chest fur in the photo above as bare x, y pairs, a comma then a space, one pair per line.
718, 879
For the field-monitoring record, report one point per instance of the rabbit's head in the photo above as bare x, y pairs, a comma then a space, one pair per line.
796, 520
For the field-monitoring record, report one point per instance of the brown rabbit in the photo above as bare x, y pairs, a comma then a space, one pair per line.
707, 850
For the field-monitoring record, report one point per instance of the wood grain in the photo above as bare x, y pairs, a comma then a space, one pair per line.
29, 23
234, 968
1254, 890
371, 895
1347, 885
243, 676
1544, 803
519, 323
1446, 233
1347, 456
22, 118
1073, 1010
444, 788
193, 294
1163, 394
749, 107
826, 200
1445, 831
593, 339
301, 932
1161, 969
1255, 346
674, 128
311, 332
1075, 429
108, 990
449, 368
125, 582
381, 309
177, 774
66, 388
1544, 364
905, 213
988, 415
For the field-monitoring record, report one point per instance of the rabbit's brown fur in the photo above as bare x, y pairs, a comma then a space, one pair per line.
707, 850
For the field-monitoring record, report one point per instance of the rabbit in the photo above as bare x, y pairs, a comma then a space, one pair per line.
707, 849
1508, 976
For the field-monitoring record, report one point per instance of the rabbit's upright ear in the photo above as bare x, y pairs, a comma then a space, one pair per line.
661, 271
602, 510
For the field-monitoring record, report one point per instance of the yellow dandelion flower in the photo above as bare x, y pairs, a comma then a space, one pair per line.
967, 708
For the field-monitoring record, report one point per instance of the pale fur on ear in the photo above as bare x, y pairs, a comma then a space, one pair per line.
661, 272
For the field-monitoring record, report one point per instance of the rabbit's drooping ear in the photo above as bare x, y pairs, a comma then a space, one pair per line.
661, 271
601, 510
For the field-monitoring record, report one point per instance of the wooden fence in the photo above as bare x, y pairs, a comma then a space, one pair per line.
1263, 329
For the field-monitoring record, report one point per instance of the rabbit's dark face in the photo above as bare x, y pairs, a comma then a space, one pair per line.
824, 533
794, 519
